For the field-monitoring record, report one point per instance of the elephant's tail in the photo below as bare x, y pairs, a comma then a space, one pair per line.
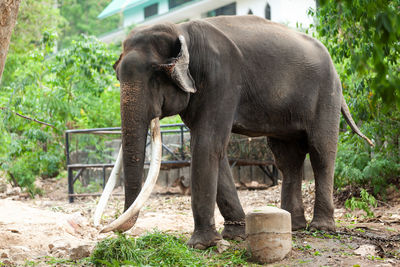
351, 123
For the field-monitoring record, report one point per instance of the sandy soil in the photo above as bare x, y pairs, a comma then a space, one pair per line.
33, 229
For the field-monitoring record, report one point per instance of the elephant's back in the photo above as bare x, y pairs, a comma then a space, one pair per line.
282, 69
257, 36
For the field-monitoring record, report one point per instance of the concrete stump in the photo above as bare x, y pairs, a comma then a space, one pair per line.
269, 234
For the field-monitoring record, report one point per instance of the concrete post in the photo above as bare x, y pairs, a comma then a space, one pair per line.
269, 234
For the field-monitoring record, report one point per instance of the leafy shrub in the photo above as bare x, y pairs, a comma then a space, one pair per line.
364, 203
75, 88
362, 38
360, 165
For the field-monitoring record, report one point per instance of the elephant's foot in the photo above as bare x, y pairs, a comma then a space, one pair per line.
234, 232
202, 239
323, 224
299, 222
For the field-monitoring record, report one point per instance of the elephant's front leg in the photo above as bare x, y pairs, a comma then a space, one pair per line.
229, 203
206, 154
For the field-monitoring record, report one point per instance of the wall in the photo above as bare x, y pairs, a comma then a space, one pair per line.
287, 12
136, 15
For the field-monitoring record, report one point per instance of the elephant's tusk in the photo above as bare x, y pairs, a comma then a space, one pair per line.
133, 210
115, 174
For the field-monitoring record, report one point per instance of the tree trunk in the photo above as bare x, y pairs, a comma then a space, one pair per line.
8, 17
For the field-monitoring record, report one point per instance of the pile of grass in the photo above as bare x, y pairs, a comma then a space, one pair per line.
161, 249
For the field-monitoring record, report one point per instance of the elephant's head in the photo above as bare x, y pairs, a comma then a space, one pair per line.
153, 71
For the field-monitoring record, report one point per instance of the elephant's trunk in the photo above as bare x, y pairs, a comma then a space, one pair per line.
128, 218
134, 135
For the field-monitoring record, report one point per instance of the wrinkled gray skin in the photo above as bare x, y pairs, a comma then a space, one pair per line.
245, 75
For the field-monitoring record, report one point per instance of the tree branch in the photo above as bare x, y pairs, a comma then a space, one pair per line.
25, 117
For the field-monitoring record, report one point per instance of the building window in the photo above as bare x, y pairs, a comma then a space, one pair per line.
225, 10
268, 11
151, 10
175, 3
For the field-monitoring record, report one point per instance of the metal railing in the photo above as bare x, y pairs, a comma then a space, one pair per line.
179, 159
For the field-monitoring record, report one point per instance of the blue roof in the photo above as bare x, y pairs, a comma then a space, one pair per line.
117, 6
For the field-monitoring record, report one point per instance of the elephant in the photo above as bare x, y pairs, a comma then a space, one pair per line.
232, 74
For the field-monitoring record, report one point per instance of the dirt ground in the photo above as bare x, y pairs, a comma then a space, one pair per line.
48, 227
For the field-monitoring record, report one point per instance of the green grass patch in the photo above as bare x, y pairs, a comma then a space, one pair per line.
161, 249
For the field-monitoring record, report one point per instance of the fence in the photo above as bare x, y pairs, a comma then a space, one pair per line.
177, 158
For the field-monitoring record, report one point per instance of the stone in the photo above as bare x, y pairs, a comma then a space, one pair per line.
59, 248
79, 252
269, 234
70, 249
19, 253
365, 250
3, 254
12, 191
59, 244
38, 183
222, 245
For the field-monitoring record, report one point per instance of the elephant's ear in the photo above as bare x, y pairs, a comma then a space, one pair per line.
178, 68
117, 62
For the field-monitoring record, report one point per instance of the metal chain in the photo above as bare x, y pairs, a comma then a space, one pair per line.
394, 238
241, 223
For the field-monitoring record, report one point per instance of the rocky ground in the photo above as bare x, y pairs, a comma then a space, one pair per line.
38, 231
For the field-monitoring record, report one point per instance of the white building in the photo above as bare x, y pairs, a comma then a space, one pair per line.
144, 12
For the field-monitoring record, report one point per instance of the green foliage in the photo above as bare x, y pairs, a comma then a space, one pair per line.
73, 88
364, 203
34, 17
362, 38
160, 249
92, 187
358, 164
82, 19
364, 35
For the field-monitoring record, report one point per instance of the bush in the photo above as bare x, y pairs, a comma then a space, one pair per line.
360, 165
365, 202
362, 38
75, 88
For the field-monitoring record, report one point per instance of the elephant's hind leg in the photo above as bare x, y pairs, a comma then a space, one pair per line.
229, 204
322, 156
289, 157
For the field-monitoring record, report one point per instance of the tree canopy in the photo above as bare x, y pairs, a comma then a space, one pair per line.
363, 35
82, 19
46, 89
34, 18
